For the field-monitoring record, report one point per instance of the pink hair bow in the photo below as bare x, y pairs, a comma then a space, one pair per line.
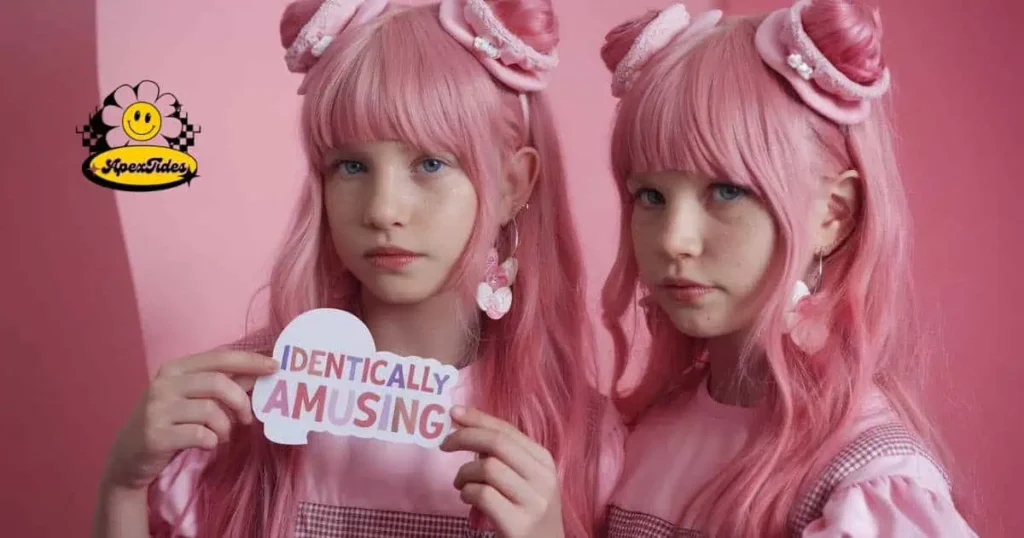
327, 22
513, 62
786, 48
671, 22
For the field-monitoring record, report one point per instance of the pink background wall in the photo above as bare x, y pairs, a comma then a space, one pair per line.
73, 361
106, 285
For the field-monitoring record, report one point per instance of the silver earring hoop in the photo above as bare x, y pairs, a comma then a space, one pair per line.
821, 269
515, 237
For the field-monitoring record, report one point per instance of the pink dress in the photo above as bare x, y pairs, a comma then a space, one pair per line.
881, 484
368, 487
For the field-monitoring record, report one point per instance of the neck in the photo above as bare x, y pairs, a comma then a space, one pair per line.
428, 329
731, 380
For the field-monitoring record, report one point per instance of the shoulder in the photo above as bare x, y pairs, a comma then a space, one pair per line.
885, 482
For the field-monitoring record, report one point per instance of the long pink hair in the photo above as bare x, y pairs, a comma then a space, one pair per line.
715, 108
402, 77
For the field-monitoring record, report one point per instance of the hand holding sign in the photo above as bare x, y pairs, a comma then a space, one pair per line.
330, 378
514, 482
191, 403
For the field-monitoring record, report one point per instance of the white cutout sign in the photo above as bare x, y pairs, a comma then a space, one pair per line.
332, 379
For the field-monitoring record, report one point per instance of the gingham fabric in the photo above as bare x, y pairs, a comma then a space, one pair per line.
890, 439
322, 521
625, 524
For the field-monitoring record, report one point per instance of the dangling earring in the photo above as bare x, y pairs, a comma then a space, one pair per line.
494, 294
803, 321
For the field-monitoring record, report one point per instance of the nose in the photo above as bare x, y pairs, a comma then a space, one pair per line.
388, 203
682, 235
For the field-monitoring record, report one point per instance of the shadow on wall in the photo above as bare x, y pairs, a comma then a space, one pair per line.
73, 360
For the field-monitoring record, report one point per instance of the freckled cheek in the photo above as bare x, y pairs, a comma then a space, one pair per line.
645, 251
752, 246
736, 245
449, 217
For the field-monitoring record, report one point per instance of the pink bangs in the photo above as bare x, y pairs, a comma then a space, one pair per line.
378, 82
703, 110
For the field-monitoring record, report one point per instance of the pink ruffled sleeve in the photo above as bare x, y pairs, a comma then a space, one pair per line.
172, 495
908, 504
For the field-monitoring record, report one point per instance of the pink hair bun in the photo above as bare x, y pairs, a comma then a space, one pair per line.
842, 93
620, 39
671, 23
477, 25
309, 26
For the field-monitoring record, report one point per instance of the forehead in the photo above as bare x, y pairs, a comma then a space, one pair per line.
669, 177
376, 147
387, 149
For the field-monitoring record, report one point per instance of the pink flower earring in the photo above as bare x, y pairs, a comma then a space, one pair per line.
803, 321
494, 294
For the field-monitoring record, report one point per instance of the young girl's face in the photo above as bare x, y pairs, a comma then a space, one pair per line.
400, 217
702, 247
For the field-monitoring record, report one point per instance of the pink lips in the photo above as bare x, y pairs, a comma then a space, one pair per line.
686, 291
391, 258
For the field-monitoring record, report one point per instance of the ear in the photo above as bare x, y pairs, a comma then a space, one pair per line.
836, 216
521, 175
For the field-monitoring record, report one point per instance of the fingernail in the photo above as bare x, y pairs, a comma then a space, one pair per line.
458, 411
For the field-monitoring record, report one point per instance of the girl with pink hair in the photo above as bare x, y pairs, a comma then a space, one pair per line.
765, 234
433, 156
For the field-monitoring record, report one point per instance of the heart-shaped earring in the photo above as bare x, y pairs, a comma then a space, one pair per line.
495, 303
494, 294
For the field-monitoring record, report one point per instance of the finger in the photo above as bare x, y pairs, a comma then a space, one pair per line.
220, 387
247, 382
496, 444
231, 362
491, 502
497, 474
182, 436
203, 412
472, 417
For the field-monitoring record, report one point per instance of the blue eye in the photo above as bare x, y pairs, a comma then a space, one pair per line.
431, 166
727, 192
351, 167
649, 197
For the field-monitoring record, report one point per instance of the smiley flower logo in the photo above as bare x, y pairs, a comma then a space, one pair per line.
141, 119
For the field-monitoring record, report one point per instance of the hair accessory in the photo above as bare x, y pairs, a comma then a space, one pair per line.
785, 47
513, 62
804, 321
672, 21
494, 294
319, 32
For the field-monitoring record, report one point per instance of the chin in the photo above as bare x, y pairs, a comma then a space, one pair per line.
397, 294
399, 289
699, 324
